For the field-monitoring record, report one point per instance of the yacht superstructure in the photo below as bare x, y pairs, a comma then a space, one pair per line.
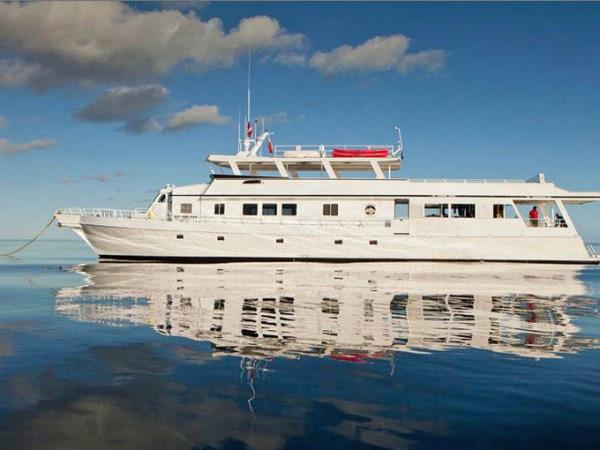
337, 203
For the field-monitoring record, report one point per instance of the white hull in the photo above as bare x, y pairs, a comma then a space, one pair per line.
143, 239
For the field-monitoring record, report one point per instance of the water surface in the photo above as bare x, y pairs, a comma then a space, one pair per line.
158, 356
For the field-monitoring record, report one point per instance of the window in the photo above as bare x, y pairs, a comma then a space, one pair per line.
463, 210
219, 209
330, 209
250, 209
220, 238
185, 208
279, 241
289, 209
161, 198
506, 211
436, 210
251, 182
338, 242
372, 242
269, 209
370, 210
401, 209
180, 236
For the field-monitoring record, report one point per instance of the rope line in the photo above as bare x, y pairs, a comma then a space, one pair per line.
28, 243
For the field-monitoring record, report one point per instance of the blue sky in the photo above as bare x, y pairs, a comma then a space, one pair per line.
480, 90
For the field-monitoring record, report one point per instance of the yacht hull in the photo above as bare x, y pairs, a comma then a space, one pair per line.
154, 240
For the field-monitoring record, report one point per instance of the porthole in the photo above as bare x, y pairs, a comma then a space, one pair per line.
370, 210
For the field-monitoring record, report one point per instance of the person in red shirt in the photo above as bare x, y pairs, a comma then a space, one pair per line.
534, 216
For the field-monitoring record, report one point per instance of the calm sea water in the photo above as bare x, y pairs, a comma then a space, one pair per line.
153, 356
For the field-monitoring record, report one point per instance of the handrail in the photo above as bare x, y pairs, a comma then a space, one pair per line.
327, 150
592, 251
103, 212
277, 220
465, 180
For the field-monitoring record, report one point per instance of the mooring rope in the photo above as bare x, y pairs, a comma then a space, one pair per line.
27, 244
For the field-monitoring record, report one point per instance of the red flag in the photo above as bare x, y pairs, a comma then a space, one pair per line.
249, 129
270, 146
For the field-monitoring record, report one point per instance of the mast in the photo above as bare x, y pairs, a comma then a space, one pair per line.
249, 61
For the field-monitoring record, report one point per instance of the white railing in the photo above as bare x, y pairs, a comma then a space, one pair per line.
327, 150
464, 180
547, 222
592, 251
102, 212
287, 220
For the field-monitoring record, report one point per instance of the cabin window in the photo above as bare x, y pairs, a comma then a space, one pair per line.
401, 209
436, 210
250, 209
252, 182
161, 198
330, 209
289, 209
185, 208
370, 210
269, 209
219, 209
463, 210
506, 211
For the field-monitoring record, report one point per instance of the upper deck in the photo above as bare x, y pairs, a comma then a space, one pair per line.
331, 161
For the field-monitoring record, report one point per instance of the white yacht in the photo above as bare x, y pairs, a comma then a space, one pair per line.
337, 203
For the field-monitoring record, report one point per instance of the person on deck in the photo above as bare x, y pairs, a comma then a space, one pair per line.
534, 215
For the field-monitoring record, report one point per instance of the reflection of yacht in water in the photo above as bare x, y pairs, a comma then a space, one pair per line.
353, 313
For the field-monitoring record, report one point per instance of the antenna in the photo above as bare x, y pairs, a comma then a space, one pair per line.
400, 148
249, 61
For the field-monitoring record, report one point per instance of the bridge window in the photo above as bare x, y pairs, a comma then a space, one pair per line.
219, 209
250, 209
330, 209
436, 210
289, 209
185, 208
506, 211
161, 198
463, 210
401, 209
269, 209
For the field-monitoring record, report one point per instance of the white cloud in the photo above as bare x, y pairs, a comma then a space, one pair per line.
286, 59
2, 121
141, 125
8, 148
101, 178
377, 54
122, 103
55, 43
195, 115
272, 119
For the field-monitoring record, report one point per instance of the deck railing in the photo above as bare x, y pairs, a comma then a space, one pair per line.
103, 212
592, 251
327, 150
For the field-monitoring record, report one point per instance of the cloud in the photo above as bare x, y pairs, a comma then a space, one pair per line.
7, 148
377, 54
272, 119
286, 59
123, 103
101, 178
2, 121
51, 44
195, 115
141, 125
